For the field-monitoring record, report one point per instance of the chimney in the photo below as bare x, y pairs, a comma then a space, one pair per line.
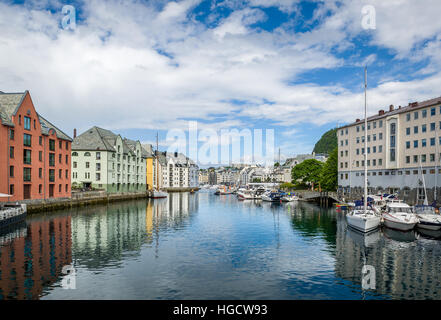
391, 108
413, 104
357, 120
176, 154
75, 133
381, 112
399, 107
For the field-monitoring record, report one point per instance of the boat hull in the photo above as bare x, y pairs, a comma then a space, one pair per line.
429, 225
399, 225
363, 224
158, 194
12, 220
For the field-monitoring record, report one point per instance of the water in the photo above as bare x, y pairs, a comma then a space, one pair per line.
202, 246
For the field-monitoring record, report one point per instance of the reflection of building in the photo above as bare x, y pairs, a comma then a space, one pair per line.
404, 270
104, 234
30, 263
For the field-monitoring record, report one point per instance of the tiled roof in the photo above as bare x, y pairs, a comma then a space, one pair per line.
148, 148
46, 126
95, 139
9, 104
410, 107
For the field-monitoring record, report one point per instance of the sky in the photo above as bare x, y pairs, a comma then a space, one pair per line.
295, 67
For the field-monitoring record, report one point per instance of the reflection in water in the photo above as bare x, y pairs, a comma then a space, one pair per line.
35, 258
201, 246
407, 265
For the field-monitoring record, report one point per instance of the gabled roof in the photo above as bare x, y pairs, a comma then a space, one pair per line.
95, 139
46, 126
9, 104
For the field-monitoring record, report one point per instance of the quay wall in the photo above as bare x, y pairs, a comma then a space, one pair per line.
79, 199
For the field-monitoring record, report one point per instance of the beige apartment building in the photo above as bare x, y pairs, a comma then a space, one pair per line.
403, 152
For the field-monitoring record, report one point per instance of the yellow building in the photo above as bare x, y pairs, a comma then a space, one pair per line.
149, 166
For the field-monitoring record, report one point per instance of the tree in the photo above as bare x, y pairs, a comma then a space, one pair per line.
329, 174
307, 172
327, 143
276, 165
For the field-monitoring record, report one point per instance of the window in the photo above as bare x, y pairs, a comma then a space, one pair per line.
67, 174
98, 155
424, 128
432, 126
98, 177
380, 149
40, 173
67, 159
40, 188
432, 111
408, 117
87, 154
432, 141
11, 171
74, 154
51, 145
380, 124
11, 151
380, 136
374, 137
40, 155
27, 140
415, 115
67, 145
40, 140
415, 159
358, 128
59, 188
27, 123
407, 159
11, 134
52, 159
424, 113
74, 164
98, 167
407, 144
11, 189
415, 143
423, 158
87, 165
60, 158
432, 157
27, 156
51, 175
415, 129
392, 141
424, 143
392, 155
26, 174
60, 144
374, 149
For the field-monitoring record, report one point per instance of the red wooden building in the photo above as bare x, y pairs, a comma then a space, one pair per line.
35, 156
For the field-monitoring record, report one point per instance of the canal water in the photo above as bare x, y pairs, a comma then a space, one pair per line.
203, 246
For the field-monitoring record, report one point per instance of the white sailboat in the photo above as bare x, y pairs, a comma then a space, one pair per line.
157, 193
363, 218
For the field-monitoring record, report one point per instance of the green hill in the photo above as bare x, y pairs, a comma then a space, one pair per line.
327, 142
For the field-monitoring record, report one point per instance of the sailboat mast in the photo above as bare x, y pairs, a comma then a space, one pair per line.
365, 139
156, 162
424, 184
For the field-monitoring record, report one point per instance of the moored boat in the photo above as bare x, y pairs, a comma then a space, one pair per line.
12, 213
428, 219
399, 216
363, 220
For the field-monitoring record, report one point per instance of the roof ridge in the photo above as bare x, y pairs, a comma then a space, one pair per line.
39, 115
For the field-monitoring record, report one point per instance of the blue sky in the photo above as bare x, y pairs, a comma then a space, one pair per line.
137, 67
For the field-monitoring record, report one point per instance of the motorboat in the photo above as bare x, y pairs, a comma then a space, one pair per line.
246, 194
289, 197
363, 219
158, 194
271, 196
399, 216
12, 213
378, 203
428, 219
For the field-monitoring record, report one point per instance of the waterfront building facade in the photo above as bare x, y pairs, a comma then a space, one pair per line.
35, 155
403, 152
150, 165
104, 160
